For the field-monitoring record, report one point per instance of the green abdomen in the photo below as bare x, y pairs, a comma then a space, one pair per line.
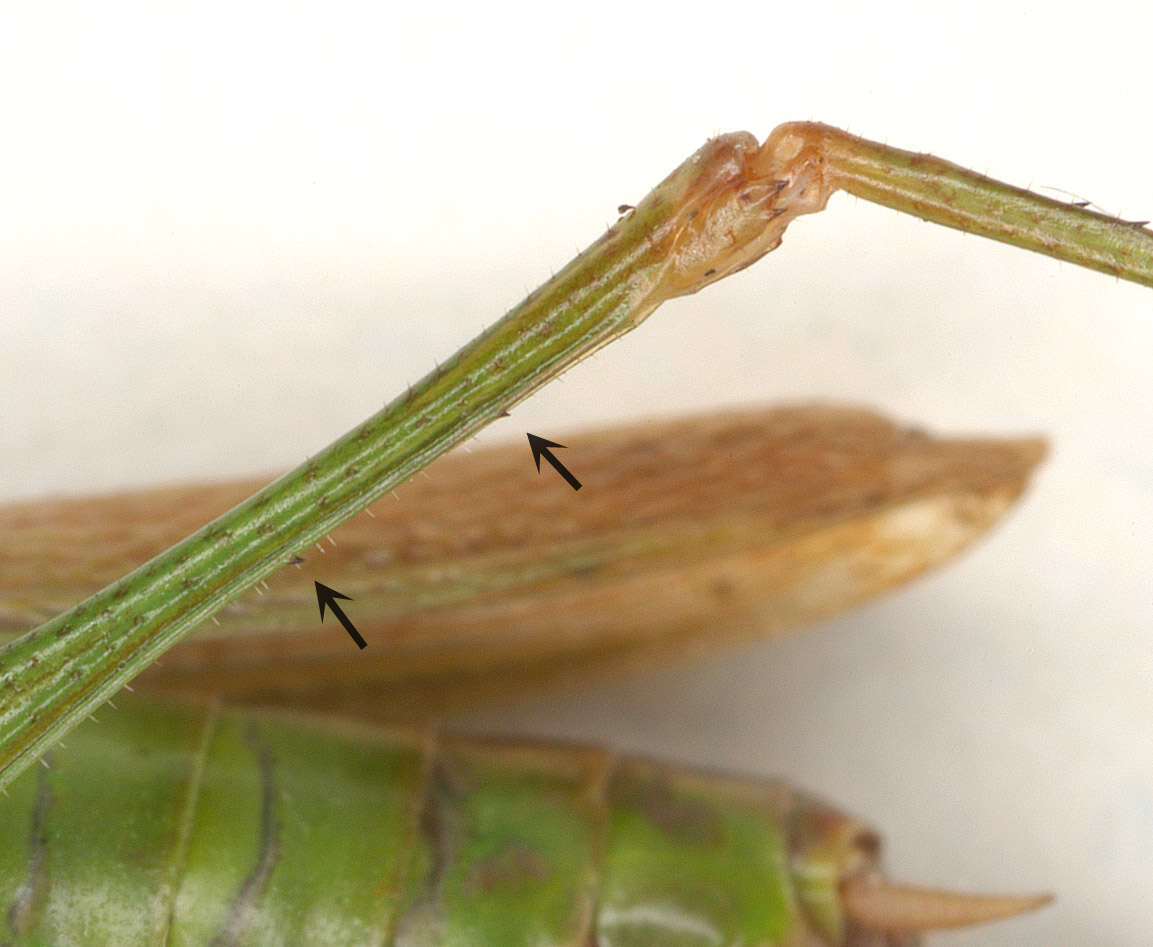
185, 826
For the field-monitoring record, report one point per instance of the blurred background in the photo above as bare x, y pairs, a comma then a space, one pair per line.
229, 232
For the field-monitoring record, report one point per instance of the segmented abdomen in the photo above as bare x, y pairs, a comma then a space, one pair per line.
188, 826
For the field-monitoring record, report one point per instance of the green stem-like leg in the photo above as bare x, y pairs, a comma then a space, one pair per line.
719, 211
944, 193
57, 673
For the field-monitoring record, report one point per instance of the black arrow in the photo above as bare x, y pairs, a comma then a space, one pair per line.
540, 448
326, 596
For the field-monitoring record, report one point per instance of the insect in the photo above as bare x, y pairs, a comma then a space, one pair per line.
716, 214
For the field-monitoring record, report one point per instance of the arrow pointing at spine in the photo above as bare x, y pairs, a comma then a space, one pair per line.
540, 448
327, 597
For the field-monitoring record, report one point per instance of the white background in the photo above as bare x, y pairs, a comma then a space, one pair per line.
229, 232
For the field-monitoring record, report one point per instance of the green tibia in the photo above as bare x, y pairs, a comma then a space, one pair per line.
944, 193
56, 674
